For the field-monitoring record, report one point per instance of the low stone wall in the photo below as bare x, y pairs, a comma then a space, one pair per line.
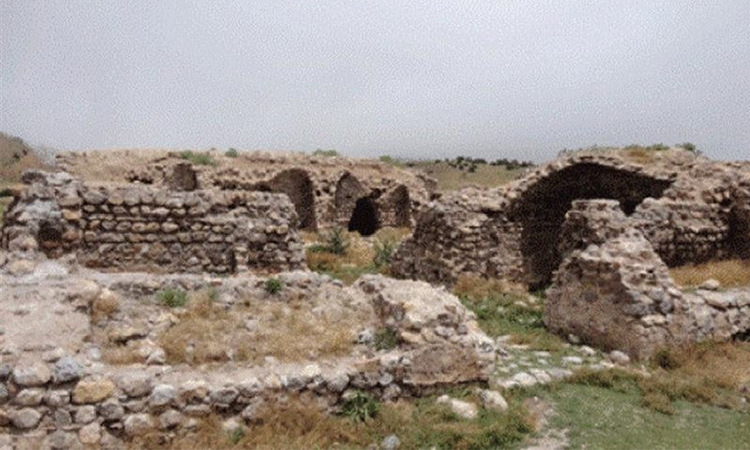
154, 229
64, 395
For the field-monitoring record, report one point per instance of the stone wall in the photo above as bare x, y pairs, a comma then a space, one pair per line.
689, 212
64, 393
613, 291
324, 191
154, 229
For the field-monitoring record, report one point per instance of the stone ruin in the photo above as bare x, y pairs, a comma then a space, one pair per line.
83, 265
606, 261
151, 228
360, 195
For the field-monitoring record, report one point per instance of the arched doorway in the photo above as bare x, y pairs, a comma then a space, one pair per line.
364, 219
296, 184
348, 191
541, 209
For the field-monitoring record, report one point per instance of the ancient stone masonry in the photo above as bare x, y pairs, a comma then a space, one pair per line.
613, 291
58, 391
361, 195
137, 227
691, 209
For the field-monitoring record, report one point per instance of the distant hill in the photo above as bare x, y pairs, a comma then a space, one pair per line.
15, 157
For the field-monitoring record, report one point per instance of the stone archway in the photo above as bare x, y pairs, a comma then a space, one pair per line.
541, 209
298, 186
348, 191
364, 219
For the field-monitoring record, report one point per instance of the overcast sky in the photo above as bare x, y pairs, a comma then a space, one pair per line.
497, 78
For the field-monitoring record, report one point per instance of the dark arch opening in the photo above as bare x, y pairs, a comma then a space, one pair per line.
50, 237
364, 218
298, 186
348, 190
541, 209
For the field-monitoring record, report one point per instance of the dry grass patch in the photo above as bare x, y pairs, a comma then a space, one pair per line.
710, 373
730, 273
300, 424
362, 255
476, 287
290, 330
104, 307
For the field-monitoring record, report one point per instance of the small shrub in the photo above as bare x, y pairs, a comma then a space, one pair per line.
384, 250
6, 192
236, 436
360, 407
336, 241
172, 298
231, 153
199, 159
388, 160
658, 402
386, 339
213, 294
326, 153
273, 286
689, 146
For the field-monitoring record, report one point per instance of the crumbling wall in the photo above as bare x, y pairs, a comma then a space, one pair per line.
613, 291
690, 212
150, 228
324, 190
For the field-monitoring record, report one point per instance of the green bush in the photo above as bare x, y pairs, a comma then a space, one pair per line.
199, 159
389, 160
6, 192
384, 250
335, 242
386, 339
273, 286
326, 153
360, 407
231, 153
689, 146
172, 298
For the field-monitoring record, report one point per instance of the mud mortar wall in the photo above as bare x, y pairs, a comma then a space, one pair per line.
145, 228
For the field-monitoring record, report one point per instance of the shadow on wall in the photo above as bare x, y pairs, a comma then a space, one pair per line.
364, 218
542, 209
298, 186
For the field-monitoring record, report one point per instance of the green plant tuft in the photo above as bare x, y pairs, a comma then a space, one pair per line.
386, 339
360, 407
172, 298
384, 250
273, 286
231, 153
199, 159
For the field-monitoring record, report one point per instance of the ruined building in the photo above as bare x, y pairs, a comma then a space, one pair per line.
601, 232
690, 210
152, 228
361, 195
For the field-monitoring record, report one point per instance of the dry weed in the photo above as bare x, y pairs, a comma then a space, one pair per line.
103, 307
476, 287
730, 273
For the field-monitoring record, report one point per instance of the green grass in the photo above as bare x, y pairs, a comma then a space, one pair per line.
498, 316
172, 298
601, 418
450, 178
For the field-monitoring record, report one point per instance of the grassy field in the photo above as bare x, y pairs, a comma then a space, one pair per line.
450, 178
599, 418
